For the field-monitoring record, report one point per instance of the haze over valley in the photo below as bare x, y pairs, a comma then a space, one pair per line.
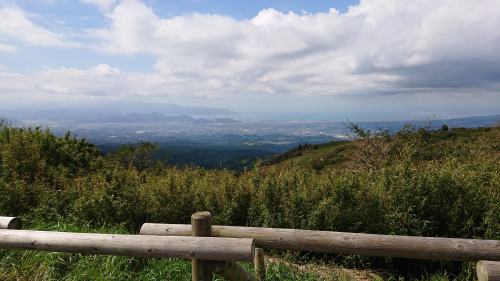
215, 137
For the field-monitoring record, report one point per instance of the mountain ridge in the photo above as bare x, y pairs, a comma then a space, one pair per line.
136, 117
111, 109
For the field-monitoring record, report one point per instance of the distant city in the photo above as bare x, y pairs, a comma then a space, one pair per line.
112, 128
213, 138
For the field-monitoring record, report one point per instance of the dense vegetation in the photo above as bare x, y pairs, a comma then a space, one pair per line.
415, 181
209, 157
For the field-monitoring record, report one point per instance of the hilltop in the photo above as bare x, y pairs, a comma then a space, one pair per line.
347, 154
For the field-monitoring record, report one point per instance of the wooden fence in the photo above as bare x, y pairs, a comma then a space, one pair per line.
217, 248
348, 243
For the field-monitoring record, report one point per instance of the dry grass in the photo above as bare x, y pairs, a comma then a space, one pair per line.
328, 272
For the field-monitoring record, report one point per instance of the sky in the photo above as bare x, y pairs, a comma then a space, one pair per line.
412, 58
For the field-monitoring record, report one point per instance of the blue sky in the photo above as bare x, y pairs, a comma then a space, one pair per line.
376, 57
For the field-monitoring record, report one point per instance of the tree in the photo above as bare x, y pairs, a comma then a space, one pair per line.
139, 156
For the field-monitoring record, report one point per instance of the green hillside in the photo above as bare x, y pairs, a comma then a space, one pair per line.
208, 156
417, 181
316, 156
371, 150
240, 163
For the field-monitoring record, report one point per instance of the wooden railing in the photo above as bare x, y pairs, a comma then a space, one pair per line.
217, 248
348, 243
209, 254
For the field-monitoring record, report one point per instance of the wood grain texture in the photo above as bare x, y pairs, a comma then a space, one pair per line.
211, 248
230, 270
201, 226
454, 249
488, 270
259, 262
10, 223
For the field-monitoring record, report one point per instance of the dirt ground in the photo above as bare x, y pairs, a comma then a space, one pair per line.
329, 272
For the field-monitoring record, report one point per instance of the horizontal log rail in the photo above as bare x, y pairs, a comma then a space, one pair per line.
10, 223
230, 244
453, 249
208, 248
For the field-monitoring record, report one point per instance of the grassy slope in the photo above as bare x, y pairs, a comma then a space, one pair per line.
340, 153
239, 163
316, 156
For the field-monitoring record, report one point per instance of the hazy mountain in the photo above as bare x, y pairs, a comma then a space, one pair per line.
225, 120
124, 108
136, 117
157, 117
88, 112
471, 122
466, 122
201, 121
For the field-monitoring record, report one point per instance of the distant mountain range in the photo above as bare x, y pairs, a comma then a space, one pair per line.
64, 114
156, 117
136, 117
123, 108
88, 112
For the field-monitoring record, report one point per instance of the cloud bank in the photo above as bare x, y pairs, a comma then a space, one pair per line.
16, 26
379, 48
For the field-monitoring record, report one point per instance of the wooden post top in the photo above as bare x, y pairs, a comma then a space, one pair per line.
201, 215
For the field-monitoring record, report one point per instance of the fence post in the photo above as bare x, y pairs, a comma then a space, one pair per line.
201, 226
260, 266
231, 271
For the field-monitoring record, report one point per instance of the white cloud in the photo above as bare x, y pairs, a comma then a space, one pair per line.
7, 48
375, 45
100, 80
16, 25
